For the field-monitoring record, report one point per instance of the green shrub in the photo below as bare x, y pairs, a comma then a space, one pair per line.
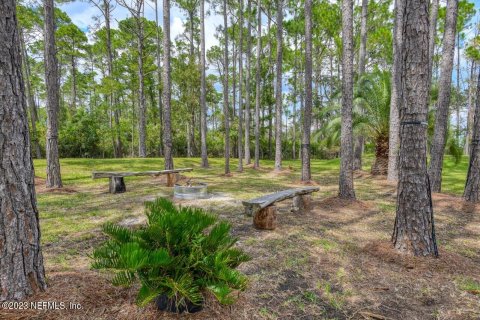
180, 253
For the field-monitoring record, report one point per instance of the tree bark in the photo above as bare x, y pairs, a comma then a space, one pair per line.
142, 108
258, 94
240, 91
307, 112
432, 35
278, 88
117, 144
30, 98
380, 164
226, 111
346, 190
203, 104
441, 115
73, 65
54, 179
363, 39
190, 125
396, 95
269, 71
167, 85
359, 140
247, 84
471, 111
414, 231
21, 262
472, 185
159, 76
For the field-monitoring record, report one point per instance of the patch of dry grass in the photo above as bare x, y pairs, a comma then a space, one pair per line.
334, 262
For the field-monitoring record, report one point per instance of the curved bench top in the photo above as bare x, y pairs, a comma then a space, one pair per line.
108, 174
266, 200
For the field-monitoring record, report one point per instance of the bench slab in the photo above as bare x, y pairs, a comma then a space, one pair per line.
108, 174
254, 205
117, 183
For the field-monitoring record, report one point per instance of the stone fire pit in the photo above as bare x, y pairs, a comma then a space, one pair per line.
190, 191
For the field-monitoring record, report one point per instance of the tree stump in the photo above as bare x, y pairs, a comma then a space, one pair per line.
302, 203
117, 185
266, 219
171, 179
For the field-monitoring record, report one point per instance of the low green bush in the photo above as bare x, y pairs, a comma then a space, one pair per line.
179, 254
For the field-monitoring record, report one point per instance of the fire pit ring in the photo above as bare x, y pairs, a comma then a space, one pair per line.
197, 191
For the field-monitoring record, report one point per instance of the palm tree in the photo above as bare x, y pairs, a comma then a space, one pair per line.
371, 117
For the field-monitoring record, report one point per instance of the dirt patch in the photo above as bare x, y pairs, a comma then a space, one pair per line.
306, 183
41, 188
333, 203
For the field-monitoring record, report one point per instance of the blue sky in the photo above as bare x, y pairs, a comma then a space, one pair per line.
82, 14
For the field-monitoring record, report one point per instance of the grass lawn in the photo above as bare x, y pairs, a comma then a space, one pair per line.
334, 262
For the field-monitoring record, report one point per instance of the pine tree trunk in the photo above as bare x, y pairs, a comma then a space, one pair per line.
117, 143
159, 77
258, 94
203, 104
346, 190
307, 112
142, 108
21, 264
31, 98
360, 140
432, 35
240, 92
54, 179
414, 231
73, 106
472, 186
441, 115
167, 86
363, 39
396, 95
471, 109
278, 88
270, 87
247, 84
190, 125
226, 111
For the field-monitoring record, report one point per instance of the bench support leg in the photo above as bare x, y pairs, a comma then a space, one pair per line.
171, 179
302, 203
117, 185
249, 211
266, 218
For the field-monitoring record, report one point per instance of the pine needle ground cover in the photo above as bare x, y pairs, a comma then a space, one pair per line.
332, 263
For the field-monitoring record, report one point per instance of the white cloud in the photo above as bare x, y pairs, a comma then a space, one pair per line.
176, 27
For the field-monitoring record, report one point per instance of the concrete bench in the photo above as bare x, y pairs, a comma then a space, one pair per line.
264, 211
117, 184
